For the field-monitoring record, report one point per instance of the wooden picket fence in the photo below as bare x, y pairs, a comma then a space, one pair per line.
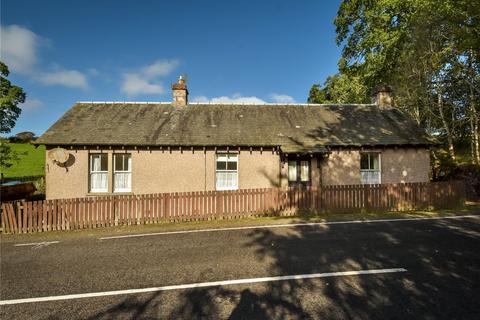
104, 211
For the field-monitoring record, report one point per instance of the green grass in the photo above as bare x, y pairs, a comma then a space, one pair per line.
32, 161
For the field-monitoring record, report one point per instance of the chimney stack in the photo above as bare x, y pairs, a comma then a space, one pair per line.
180, 93
382, 96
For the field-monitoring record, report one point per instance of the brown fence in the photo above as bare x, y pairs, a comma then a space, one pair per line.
94, 212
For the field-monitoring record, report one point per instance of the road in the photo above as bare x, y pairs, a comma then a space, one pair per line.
440, 259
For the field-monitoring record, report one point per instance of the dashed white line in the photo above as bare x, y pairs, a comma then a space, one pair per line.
45, 243
202, 285
285, 225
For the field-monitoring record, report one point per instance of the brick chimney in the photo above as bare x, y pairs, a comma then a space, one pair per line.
382, 96
180, 93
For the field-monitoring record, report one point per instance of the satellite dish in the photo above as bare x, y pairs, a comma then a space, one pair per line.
59, 155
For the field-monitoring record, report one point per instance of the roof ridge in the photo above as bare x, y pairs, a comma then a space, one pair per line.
123, 102
227, 103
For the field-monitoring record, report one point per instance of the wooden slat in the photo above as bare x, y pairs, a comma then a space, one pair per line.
4, 218
69, 214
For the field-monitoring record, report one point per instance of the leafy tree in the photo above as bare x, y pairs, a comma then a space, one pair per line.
317, 94
11, 97
7, 156
340, 88
428, 51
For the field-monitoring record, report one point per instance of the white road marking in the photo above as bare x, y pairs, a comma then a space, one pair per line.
35, 244
285, 225
201, 285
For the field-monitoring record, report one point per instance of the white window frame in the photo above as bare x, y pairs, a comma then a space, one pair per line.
217, 171
367, 175
92, 172
297, 167
129, 171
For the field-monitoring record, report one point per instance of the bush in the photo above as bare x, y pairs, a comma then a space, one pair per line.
470, 173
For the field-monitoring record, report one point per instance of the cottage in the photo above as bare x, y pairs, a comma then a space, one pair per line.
154, 147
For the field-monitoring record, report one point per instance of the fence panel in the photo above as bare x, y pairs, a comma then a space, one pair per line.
104, 211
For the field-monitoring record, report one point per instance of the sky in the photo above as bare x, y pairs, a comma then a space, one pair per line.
61, 52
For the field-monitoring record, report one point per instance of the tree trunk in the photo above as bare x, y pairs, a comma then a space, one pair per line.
474, 129
451, 149
473, 114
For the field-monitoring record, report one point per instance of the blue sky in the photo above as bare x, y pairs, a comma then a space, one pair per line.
248, 51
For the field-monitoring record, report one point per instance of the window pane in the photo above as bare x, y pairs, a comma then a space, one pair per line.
222, 157
221, 180
227, 181
364, 161
232, 166
304, 170
104, 162
370, 177
292, 170
123, 162
374, 163
221, 165
99, 182
118, 162
95, 163
122, 181
129, 162
99, 162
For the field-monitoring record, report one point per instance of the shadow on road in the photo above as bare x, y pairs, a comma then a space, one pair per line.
442, 260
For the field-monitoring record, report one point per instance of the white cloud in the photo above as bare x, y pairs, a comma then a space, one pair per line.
200, 99
160, 68
239, 99
236, 98
31, 104
281, 98
67, 78
18, 49
146, 80
133, 84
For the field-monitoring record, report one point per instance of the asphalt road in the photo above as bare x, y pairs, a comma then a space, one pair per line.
442, 281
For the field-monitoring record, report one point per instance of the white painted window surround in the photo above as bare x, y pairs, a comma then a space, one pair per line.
299, 171
122, 172
226, 171
370, 164
99, 172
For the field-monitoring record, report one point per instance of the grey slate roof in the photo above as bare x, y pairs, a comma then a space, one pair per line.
294, 128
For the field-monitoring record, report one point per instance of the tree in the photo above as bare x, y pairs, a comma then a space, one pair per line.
340, 88
11, 97
427, 50
7, 156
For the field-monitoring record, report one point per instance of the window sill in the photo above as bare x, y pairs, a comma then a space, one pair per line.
103, 194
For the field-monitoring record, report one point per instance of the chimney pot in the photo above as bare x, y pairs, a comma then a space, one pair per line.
382, 96
180, 93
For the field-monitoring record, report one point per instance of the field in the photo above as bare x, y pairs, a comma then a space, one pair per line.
32, 161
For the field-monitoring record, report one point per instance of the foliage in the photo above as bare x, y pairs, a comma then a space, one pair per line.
11, 97
8, 157
40, 186
339, 88
428, 51
31, 161
23, 137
